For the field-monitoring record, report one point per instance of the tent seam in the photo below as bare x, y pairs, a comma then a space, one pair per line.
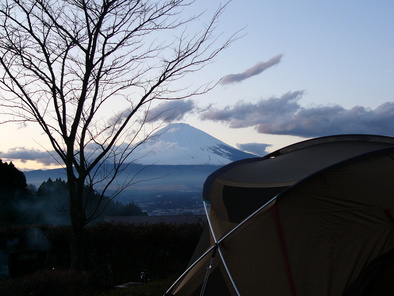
279, 228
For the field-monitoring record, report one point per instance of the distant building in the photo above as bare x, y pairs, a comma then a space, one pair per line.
170, 219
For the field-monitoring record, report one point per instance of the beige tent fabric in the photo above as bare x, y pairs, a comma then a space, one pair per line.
337, 223
334, 225
288, 166
254, 256
316, 237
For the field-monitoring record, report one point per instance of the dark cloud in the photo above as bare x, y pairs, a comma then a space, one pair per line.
251, 114
23, 154
285, 116
170, 111
254, 148
255, 70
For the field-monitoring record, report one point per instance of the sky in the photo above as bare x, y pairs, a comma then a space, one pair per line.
300, 69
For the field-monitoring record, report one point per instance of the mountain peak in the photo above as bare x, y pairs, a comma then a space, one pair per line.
182, 144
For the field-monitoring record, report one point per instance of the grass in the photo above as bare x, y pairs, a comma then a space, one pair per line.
69, 283
152, 288
47, 283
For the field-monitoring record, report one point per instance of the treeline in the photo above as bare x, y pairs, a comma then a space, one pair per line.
115, 253
49, 204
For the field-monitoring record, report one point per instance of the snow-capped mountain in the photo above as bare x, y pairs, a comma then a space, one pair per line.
182, 144
177, 157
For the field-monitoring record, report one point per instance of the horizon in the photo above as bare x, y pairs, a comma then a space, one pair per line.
301, 70
180, 144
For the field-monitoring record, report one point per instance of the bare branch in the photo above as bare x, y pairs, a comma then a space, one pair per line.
68, 65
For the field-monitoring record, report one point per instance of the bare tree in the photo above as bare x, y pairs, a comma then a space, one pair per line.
87, 71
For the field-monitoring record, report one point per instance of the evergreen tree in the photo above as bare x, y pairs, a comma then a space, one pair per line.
11, 178
13, 194
50, 204
53, 202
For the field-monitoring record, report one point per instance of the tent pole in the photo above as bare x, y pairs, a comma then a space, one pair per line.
217, 242
190, 267
228, 272
204, 285
208, 272
209, 222
247, 219
202, 256
220, 254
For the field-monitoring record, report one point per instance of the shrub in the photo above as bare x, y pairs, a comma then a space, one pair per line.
48, 283
118, 253
115, 253
153, 288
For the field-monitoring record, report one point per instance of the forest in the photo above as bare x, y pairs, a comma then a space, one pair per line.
35, 221
23, 204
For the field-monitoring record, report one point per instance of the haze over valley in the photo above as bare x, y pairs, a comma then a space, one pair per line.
168, 172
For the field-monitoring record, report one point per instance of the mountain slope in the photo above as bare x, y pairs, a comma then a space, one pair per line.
178, 156
182, 144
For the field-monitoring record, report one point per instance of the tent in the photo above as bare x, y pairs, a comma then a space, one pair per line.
312, 219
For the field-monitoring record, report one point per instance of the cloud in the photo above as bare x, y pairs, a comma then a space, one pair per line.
255, 70
250, 114
24, 154
285, 116
254, 148
170, 111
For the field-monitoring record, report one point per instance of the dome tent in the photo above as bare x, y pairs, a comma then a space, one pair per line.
313, 218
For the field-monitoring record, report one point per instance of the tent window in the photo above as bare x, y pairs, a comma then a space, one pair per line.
241, 202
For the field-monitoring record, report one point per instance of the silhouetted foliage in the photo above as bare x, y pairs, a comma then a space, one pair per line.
13, 193
11, 178
53, 196
115, 253
50, 204
88, 72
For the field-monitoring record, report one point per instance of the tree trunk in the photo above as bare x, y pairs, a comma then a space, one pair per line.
77, 217
77, 245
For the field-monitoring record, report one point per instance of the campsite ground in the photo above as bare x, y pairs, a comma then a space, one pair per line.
29, 286
153, 288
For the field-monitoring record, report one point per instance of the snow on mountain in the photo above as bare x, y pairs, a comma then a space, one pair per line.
178, 156
182, 144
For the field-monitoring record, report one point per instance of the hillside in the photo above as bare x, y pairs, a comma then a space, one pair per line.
182, 144
172, 165
177, 154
